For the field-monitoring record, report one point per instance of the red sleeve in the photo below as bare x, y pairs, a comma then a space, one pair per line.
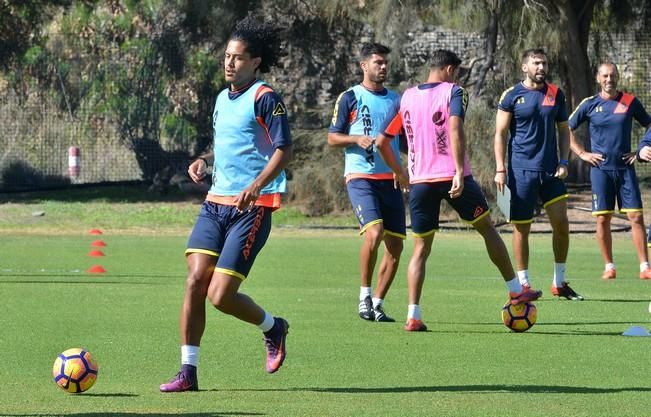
394, 127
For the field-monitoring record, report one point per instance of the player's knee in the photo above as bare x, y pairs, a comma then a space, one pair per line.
561, 228
221, 300
196, 282
636, 217
373, 235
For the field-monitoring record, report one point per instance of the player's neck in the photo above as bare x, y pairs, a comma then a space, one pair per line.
372, 85
436, 78
530, 84
243, 85
609, 96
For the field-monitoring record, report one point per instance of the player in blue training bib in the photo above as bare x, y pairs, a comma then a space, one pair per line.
530, 113
376, 200
610, 115
251, 147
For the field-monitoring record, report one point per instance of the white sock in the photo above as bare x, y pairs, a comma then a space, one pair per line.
514, 285
377, 302
559, 274
611, 267
364, 292
644, 266
267, 323
190, 355
523, 276
413, 311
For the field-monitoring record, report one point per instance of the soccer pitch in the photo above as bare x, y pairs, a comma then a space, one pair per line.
573, 362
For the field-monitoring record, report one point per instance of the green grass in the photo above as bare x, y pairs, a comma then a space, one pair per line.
126, 210
572, 363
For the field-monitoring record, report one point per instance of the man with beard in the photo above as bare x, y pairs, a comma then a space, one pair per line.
610, 117
432, 118
375, 198
532, 111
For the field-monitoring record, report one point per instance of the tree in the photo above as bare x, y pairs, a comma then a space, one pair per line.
562, 27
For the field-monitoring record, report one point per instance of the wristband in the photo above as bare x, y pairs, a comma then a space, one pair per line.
563, 162
502, 171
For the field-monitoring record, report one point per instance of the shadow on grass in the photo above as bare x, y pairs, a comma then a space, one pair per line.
478, 389
117, 414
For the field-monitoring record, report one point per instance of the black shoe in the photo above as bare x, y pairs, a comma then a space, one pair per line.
567, 292
366, 309
380, 316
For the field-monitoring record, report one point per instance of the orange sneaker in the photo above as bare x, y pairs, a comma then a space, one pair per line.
609, 274
646, 274
414, 325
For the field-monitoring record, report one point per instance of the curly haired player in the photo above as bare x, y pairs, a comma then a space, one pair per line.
252, 145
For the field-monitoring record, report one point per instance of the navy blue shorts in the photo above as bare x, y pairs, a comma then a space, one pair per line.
235, 238
378, 201
425, 204
618, 185
529, 186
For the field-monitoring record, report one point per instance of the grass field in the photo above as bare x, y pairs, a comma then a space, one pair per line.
572, 363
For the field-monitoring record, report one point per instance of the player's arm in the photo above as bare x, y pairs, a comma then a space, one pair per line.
197, 169
272, 112
341, 118
578, 116
383, 144
563, 136
458, 147
502, 123
644, 119
563, 149
458, 105
577, 147
644, 148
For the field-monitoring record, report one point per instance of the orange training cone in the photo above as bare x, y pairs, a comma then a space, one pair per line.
98, 244
95, 232
95, 253
96, 269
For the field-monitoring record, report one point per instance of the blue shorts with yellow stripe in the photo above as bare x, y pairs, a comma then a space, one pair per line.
527, 187
234, 238
425, 204
378, 201
618, 185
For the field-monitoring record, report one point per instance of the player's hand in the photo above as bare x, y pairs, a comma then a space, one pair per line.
500, 180
247, 198
561, 171
593, 159
197, 170
457, 186
629, 158
645, 153
365, 142
401, 181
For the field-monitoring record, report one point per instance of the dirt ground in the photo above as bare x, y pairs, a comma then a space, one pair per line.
579, 213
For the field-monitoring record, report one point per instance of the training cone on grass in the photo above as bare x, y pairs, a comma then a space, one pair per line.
95, 253
95, 232
98, 244
636, 331
96, 269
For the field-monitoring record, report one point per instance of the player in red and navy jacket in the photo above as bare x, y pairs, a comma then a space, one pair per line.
532, 111
610, 117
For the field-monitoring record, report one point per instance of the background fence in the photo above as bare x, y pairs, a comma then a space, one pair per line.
37, 129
